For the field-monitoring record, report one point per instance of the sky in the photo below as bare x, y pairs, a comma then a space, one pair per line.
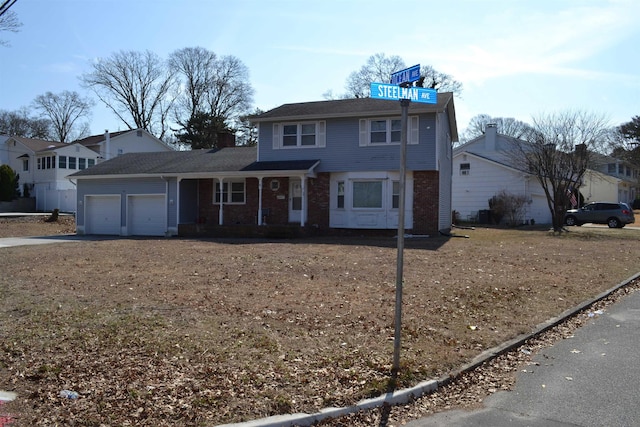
514, 58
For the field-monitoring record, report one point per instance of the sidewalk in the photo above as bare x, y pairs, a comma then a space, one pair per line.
586, 381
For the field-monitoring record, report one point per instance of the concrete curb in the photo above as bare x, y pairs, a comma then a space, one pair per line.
403, 396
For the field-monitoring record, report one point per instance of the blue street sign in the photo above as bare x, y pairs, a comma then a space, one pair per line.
396, 93
407, 75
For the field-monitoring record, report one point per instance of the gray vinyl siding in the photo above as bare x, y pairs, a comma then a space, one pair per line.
445, 165
343, 153
124, 187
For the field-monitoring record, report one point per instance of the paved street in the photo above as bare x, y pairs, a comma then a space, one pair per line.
589, 380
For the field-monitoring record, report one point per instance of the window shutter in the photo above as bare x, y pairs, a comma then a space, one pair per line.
322, 134
276, 136
363, 133
413, 132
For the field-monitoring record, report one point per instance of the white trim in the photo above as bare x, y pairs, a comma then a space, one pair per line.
383, 217
319, 134
229, 192
413, 131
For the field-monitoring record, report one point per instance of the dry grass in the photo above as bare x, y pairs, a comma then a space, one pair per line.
164, 332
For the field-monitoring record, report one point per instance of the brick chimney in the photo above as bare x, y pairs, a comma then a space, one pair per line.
490, 136
226, 139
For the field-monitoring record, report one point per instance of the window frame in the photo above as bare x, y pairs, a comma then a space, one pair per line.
283, 140
391, 133
354, 194
340, 195
395, 195
229, 192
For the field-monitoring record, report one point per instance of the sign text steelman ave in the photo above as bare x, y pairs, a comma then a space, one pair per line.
396, 93
407, 75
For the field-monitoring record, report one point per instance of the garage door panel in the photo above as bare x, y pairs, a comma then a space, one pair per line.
102, 215
147, 215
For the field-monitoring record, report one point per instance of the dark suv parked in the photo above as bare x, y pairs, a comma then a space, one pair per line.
615, 215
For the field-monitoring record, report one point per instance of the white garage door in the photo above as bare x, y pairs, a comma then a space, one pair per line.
102, 215
146, 215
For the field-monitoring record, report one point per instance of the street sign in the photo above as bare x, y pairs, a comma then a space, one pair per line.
407, 75
396, 93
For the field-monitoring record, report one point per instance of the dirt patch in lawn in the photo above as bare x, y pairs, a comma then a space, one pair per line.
164, 332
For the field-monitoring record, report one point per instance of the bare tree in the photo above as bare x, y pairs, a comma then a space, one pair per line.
505, 126
195, 67
442, 82
136, 86
231, 94
19, 123
8, 19
558, 151
379, 69
215, 93
64, 111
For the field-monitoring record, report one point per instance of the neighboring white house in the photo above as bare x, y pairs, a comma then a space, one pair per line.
110, 145
611, 180
43, 166
4, 154
481, 170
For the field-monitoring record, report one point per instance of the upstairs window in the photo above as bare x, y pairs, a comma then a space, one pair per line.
297, 135
465, 168
385, 131
72, 162
62, 162
82, 163
375, 132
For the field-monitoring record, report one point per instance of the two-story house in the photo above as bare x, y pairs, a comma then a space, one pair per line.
610, 179
43, 166
318, 166
112, 144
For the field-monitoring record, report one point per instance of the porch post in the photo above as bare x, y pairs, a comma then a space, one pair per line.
303, 211
260, 201
220, 216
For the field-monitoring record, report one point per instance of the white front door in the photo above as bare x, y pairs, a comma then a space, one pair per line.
295, 200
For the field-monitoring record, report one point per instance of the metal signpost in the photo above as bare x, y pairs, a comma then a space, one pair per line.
401, 89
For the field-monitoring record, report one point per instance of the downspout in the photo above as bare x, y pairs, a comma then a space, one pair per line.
166, 206
107, 145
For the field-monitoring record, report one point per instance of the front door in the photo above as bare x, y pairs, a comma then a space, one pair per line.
295, 200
